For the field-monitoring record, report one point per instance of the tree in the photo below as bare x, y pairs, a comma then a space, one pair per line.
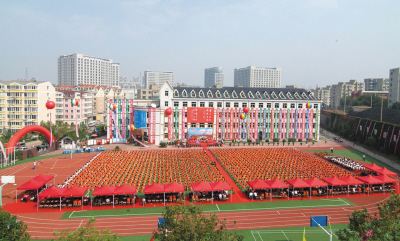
87, 232
11, 229
188, 223
382, 227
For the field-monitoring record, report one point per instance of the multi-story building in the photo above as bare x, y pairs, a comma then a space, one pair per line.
157, 78
23, 103
376, 84
80, 69
394, 86
74, 107
213, 77
151, 93
258, 77
323, 94
343, 90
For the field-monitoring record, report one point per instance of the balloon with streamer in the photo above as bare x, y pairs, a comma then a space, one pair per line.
242, 116
76, 102
246, 109
50, 105
168, 111
308, 105
114, 107
132, 127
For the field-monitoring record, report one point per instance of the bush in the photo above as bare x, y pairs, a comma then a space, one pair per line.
117, 148
163, 144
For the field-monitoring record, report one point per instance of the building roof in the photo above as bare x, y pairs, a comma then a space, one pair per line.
22, 82
244, 93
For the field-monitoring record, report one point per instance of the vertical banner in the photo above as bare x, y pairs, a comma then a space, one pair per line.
272, 124
183, 124
140, 119
217, 124
231, 124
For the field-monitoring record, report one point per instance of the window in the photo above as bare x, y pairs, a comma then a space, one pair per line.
228, 104
201, 94
201, 124
315, 106
166, 93
193, 125
202, 104
276, 105
292, 106
176, 104
244, 104
184, 104
252, 105
284, 105
260, 105
210, 104
193, 104
235, 104
219, 104
268, 105
166, 103
300, 106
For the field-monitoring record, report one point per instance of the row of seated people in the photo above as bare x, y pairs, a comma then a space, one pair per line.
208, 196
246, 164
346, 163
141, 167
65, 202
118, 200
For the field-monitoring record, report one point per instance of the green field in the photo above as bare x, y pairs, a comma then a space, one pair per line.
229, 207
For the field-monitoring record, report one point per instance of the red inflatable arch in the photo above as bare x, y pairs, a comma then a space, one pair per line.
27, 129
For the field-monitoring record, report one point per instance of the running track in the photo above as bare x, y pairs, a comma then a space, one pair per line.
44, 228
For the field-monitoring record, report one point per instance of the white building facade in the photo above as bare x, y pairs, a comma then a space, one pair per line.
258, 77
157, 78
376, 84
80, 69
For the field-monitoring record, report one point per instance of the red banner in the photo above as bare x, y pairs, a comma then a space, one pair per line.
200, 115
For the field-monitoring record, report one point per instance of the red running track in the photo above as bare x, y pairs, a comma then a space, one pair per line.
43, 225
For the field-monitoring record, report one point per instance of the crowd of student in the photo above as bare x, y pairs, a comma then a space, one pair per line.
346, 163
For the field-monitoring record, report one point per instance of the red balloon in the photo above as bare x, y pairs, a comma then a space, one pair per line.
246, 110
77, 102
50, 105
168, 111
114, 106
132, 127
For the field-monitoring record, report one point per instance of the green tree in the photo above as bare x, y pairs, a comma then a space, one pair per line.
11, 229
382, 227
87, 232
188, 223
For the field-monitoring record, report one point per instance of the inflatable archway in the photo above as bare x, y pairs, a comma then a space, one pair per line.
27, 129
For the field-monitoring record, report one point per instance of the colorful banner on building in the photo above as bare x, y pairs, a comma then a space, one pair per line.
193, 131
140, 119
200, 115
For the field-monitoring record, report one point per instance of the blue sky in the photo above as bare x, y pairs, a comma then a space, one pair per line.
313, 41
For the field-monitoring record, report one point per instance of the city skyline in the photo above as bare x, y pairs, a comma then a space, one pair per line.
310, 40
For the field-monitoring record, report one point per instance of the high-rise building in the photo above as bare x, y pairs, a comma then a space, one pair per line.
23, 103
213, 77
323, 94
157, 79
376, 84
80, 69
260, 77
394, 86
344, 89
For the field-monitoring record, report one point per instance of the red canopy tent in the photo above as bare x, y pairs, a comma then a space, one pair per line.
52, 192
386, 179
298, 183
174, 188
201, 187
371, 180
315, 182
277, 184
103, 191
385, 171
155, 188
372, 167
335, 181
220, 186
75, 191
125, 190
350, 180
35, 183
259, 185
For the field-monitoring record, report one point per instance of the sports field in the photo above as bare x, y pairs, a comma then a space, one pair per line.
229, 207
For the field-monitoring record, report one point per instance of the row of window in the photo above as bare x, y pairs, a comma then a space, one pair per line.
251, 125
236, 105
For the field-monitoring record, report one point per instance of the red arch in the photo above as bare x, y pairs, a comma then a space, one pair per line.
27, 129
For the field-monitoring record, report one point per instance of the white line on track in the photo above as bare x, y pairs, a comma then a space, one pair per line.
284, 234
218, 207
252, 234
259, 235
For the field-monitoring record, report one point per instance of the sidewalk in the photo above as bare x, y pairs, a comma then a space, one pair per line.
391, 163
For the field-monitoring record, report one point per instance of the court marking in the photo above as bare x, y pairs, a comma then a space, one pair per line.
284, 234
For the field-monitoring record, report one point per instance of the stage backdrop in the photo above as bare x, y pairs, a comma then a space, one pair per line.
200, 115
200, 132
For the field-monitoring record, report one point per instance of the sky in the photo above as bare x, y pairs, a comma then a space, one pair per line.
315, 42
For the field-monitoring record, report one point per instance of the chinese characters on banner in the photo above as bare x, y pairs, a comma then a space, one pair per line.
200, 115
